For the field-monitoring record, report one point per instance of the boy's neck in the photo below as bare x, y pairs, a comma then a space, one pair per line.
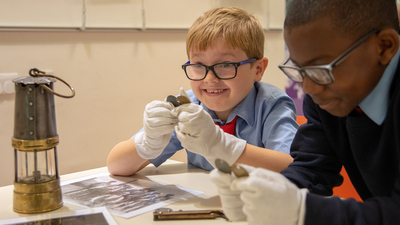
223, 116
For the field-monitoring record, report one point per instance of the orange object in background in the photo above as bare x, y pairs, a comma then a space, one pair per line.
301, 120
346, 190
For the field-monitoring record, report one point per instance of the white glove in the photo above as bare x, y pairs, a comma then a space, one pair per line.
270, 198
158, 124
198, 133
232, 205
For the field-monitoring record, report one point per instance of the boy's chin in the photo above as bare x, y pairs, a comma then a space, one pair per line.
339, 112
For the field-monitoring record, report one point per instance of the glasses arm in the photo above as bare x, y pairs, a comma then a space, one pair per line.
248, 61
343, 56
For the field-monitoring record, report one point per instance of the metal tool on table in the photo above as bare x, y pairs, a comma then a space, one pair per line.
224, 167
169, 214
36, 185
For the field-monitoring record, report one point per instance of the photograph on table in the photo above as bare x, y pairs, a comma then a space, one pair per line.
98, 216
123, 196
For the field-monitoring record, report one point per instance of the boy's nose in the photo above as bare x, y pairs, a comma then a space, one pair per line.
310, 87
210, 77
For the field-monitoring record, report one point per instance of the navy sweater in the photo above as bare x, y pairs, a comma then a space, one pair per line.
369, 152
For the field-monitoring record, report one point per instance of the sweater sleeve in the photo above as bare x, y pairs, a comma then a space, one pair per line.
335, 211
316, 166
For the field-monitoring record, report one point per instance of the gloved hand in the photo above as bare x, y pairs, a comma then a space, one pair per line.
198, 133
158, 124
232, 205
270, 198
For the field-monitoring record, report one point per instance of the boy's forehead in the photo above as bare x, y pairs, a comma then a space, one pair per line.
216, 52
204, 44
217, 46
316, 40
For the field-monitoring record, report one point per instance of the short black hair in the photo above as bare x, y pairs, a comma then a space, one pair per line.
352, 18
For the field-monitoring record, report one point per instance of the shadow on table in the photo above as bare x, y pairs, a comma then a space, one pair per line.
213, 202
167, 169
171, 169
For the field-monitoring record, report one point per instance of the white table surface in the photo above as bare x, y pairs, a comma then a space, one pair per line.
171, 172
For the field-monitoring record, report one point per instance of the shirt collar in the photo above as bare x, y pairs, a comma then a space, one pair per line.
375, 105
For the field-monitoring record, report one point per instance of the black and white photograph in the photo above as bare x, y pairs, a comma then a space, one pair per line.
95, 216
125, 197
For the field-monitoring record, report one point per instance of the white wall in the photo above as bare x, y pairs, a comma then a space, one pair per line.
115, 75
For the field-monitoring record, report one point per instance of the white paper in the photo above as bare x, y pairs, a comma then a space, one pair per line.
99, 216
123, 196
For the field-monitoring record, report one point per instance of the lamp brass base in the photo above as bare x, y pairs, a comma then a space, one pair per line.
37, 198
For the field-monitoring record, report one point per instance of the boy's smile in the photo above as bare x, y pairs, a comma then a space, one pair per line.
222, 96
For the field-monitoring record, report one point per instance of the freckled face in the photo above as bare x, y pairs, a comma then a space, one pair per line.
218, 95
318, 43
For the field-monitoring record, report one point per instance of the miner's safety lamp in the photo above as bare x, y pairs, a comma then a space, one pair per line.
36, 185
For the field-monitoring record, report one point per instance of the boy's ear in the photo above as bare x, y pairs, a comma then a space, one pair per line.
388, 44
261, 65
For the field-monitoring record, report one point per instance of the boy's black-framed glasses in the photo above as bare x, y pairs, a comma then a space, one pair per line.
321, 74
223, 71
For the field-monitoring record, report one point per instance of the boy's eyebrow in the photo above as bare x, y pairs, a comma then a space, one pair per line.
309, 62
224, 54
294, 62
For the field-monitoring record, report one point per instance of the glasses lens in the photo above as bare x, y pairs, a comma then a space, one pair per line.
225, 70
195, 71
319, 75
292, 73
